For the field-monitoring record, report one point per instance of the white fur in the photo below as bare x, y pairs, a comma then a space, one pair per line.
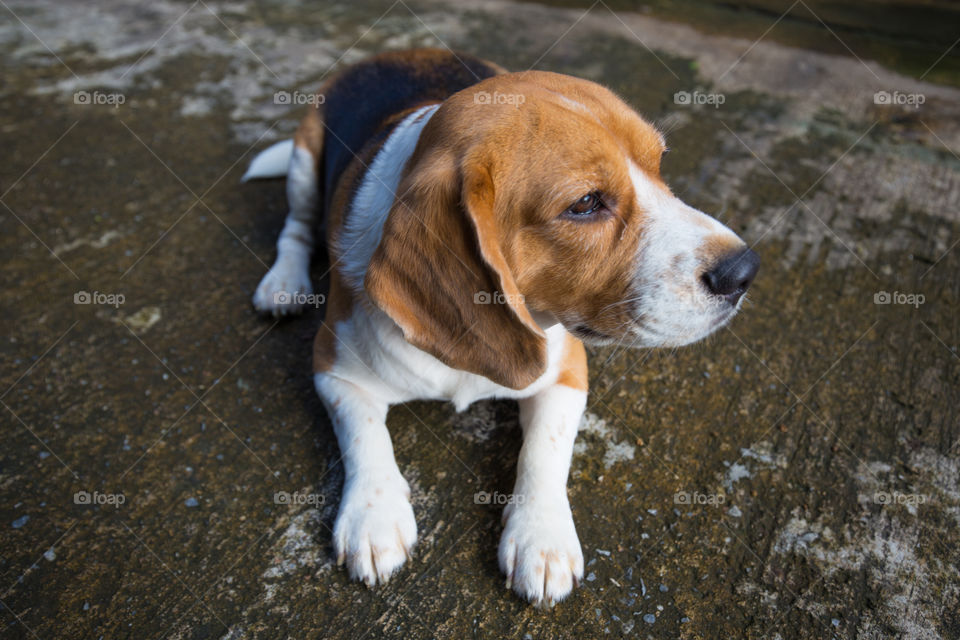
375, 529
372, 354
363, 227
676, 306
539, 549
272, 162
286, 285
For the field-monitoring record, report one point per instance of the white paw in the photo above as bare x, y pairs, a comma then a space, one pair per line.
375, 529
284, 289
540, 552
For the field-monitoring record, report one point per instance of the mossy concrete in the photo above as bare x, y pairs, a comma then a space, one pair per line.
732, 489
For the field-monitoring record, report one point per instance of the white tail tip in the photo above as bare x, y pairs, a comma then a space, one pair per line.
272, 162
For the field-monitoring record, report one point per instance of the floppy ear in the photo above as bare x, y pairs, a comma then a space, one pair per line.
440, 274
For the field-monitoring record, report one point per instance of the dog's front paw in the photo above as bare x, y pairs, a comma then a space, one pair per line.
375, 529
540, 552
283, 290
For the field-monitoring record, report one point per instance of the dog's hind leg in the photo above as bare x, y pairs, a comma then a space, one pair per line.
286, 288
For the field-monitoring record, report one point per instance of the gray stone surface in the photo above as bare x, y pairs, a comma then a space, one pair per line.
796, 476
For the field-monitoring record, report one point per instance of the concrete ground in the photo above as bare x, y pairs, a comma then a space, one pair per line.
794, 477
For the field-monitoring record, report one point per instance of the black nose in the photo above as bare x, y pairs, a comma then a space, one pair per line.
732, 275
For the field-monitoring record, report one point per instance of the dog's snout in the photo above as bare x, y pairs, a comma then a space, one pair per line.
732, 275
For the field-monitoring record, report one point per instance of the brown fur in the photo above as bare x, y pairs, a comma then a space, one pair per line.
573, 372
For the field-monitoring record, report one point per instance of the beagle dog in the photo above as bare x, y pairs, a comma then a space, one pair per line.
481, 226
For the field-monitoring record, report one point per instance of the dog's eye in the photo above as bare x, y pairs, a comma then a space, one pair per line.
585, 206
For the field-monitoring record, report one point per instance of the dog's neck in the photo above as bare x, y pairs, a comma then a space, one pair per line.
363, 226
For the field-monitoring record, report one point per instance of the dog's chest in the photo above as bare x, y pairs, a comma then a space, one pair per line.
375, 353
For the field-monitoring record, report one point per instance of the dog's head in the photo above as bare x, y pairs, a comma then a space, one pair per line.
535, 198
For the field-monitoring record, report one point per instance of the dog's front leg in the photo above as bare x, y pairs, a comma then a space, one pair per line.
539, 549
375, 529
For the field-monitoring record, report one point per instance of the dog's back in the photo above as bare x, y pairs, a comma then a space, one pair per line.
363, 103
337, 140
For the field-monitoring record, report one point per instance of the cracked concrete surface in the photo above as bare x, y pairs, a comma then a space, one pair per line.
796, 476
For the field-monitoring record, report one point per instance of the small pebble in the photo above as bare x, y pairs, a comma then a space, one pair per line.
835, 622
649, 618
663, 588
735, 512
50, 554
591, 576
19, 522
191, 502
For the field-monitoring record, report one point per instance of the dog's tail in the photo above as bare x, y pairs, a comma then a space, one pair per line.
272, 162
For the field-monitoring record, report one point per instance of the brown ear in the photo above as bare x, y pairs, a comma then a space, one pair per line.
440, 274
